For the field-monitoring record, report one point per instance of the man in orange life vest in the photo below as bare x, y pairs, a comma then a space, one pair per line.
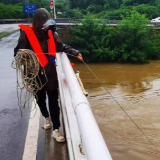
42, 38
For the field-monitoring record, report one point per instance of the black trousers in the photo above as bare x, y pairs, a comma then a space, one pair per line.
52, 103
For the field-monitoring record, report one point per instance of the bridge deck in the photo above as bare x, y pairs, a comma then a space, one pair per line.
48, 148
55, 150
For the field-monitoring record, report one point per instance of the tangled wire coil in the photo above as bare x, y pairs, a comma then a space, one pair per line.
28, 82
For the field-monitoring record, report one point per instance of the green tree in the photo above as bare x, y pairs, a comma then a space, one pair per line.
132, 41
11, 11
87, 38
114, 4
136, 2
40, 3
149, 11
13, 1
94, 8
83, 4
136, 37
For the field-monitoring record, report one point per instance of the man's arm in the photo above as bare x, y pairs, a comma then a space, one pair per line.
61, 47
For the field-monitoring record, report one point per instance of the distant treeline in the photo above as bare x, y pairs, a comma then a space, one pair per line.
104, 9
132, 41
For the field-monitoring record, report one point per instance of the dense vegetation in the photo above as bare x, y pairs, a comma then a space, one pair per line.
107, 9
131, 41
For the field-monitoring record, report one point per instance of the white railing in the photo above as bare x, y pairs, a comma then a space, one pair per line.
84, 139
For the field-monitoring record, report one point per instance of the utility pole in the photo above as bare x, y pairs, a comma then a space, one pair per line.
54, 11
52, 6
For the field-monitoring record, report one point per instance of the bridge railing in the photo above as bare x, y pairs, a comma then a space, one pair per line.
84, 139
71, 21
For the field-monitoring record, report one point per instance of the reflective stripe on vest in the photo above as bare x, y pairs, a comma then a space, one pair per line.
36, 46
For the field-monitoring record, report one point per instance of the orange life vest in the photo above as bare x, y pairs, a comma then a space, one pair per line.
36, 46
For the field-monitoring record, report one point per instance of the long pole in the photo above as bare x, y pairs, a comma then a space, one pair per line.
54, 10
52, 13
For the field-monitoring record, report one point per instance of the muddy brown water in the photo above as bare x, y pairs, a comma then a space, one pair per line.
136, 88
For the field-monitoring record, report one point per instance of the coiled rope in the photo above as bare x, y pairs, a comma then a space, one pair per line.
27, 72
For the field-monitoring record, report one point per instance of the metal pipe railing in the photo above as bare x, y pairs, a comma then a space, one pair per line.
70, 121
64, 114
93, 142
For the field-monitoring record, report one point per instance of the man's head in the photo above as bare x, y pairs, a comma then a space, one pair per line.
41, 16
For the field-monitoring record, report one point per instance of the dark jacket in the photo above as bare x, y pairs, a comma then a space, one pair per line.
50, 68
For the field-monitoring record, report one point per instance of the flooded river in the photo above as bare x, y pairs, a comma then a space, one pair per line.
130, 123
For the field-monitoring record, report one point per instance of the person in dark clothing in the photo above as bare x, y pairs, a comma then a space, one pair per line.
42, 24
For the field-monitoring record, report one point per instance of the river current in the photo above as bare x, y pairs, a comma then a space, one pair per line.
130, 120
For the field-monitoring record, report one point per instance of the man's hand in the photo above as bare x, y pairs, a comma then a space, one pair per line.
80, 57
